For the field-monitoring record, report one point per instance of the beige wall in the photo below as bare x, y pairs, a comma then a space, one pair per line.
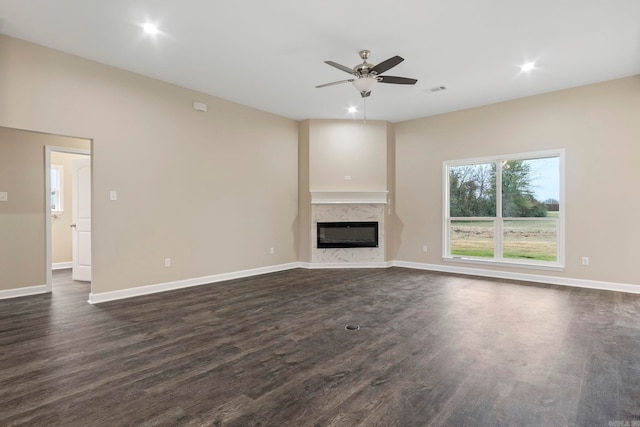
23, 216
599, 128
304, 196
61, 221
339, 148
390, 220
213, 191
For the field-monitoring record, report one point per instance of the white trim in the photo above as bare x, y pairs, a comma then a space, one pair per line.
47, 200
498, 224
505, 262
23, 292
61, 265
515, 156
498, 256
560, 237
96, 298
47, 217
446, 227
320, 265
349, 197
180, 284
552, 280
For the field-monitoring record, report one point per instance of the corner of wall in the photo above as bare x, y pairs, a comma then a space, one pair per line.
303, 234
390, 216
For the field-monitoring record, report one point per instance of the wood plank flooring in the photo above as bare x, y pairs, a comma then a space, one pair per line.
432, 350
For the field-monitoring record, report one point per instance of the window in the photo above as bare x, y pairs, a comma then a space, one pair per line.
56, 188
505, 209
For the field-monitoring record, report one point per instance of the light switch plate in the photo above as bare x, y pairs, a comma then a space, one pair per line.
113, 195
4, 196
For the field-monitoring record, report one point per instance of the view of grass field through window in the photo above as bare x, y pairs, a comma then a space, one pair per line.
528, 224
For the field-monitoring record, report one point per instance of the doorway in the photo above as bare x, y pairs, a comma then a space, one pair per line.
68, 197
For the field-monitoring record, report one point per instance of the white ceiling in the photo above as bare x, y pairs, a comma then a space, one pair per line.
269, 54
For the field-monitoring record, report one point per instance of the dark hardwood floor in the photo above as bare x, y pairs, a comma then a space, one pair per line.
432, 349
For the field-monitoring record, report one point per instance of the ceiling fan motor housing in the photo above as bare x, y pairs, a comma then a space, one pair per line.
363, 69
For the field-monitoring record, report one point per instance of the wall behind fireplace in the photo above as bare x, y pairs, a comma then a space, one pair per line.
329, 151
340, 148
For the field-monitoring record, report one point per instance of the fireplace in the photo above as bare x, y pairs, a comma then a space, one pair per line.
364, 212
347, 234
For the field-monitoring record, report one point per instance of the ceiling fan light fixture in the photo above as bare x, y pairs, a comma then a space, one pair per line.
365, 84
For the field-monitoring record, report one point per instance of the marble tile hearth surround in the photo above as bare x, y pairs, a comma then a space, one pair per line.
344, 208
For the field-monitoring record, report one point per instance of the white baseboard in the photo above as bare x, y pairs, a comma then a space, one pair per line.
180, 284
23, 292
537, 278
61, 265
318, 265
95, 298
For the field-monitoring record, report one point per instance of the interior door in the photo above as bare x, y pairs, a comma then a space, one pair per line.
81, 218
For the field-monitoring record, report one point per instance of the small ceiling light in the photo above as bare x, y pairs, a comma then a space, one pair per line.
352, 110
150, 29
525, 68
365, 84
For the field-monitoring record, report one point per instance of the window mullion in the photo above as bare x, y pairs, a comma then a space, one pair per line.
498, 223
446, 232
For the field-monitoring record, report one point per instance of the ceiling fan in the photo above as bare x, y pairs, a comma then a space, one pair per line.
368, 75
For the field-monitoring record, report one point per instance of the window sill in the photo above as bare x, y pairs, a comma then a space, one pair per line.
513, 264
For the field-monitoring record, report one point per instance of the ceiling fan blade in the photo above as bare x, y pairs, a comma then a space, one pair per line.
340, 67
386, 65
335, 83
365, 94
397, 80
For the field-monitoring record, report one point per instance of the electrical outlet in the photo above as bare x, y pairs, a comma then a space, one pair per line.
585, 260
424, 249
272, 251
167, 262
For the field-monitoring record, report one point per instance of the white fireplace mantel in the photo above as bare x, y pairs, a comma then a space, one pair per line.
348, 197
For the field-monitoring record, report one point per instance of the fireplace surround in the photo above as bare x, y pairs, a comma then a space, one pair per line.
342, 207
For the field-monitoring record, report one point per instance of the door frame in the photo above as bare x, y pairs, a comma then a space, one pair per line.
48, 149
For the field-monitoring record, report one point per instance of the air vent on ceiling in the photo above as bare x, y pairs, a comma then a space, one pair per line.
436, 89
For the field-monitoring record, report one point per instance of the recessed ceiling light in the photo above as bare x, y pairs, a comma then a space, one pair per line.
525, 68
150, 28
352, 110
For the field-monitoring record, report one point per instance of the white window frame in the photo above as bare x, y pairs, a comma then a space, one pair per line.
498, 259
58, 188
